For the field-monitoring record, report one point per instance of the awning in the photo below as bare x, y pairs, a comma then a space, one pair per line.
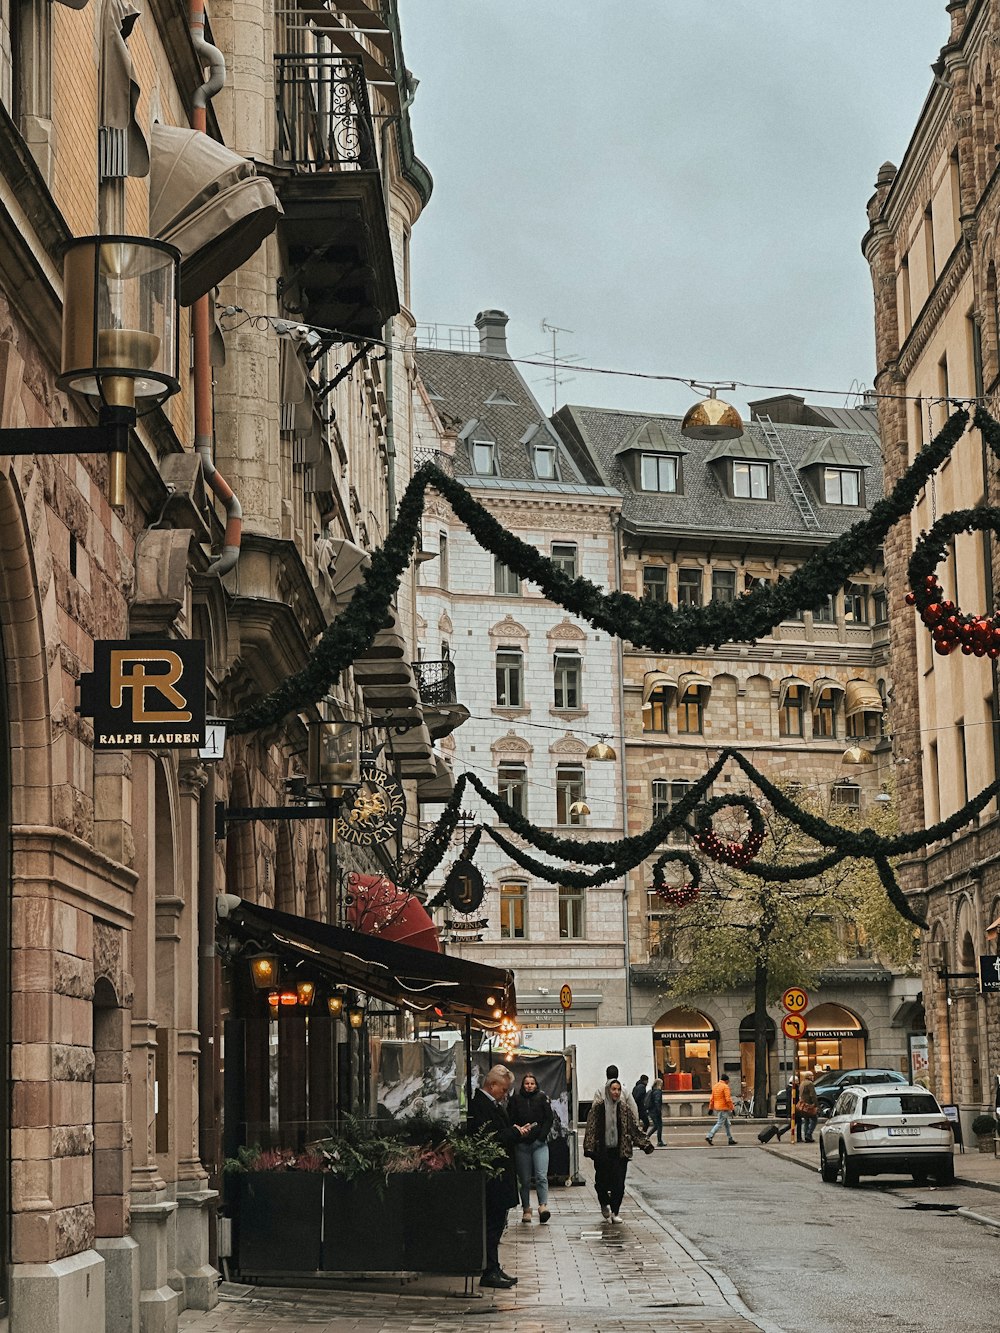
296, 392
376, 906
692, 679
789, 683
656, 680
119, 90
210, 203
396, 973
863, 697
826, 683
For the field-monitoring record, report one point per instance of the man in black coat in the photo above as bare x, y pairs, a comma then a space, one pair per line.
489, 1112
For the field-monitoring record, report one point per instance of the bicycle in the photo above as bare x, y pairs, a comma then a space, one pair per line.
743, 1106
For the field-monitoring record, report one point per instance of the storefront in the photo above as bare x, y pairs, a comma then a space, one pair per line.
686, 1048
835, 1039
748, 1061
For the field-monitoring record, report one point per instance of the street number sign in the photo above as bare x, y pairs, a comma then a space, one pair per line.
795, 999
794, 1026
566, 998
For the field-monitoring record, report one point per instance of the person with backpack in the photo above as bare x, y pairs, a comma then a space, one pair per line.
639, 1094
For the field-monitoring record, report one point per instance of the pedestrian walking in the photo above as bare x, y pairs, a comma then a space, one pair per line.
808, 1110
612, 1072
654, 1109
611, 1135
639, 1095
721, 1102
531, 1108
489, 1112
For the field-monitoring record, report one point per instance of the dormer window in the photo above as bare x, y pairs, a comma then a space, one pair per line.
544, 459
751, 481
483, 453
842, 486
658, 472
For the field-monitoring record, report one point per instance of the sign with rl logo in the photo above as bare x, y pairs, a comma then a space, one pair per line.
146, 692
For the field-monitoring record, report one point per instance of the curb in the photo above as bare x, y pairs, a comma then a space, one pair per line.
727, 1289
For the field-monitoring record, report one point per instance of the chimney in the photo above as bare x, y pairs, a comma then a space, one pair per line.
492, 326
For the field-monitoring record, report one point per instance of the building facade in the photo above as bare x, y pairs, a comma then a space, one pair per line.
541, 686
932, 248
702, 522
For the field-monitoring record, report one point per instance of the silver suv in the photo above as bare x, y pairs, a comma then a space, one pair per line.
880, 1129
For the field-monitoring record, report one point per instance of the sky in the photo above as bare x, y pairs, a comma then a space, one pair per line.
681, 184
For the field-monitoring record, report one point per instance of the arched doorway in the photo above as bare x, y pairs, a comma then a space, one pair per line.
687, 1050
748, 1061
835, 1039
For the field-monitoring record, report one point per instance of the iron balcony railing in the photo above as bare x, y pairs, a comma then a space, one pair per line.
324, 119
436, 682
446, 462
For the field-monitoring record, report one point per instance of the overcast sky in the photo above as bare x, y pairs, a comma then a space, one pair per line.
682, 183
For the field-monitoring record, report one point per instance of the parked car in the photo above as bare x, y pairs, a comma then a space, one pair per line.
830, 1085
878, 1129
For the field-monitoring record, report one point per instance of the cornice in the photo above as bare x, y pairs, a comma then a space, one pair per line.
929, 319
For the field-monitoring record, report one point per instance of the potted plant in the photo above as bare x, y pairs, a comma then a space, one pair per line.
985, 1129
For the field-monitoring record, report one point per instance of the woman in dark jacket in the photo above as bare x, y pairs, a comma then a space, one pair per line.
612, 1133
531, 1107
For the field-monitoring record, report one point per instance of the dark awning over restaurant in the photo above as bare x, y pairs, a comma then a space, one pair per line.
416, 979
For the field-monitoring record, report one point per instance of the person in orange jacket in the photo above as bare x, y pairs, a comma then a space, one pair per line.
721, 1102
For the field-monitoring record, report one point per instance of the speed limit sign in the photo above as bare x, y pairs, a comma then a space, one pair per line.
795, 999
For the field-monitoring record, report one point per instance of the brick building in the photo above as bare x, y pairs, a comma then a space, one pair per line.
932, 248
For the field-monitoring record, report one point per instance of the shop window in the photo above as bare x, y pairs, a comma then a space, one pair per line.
842, 486
658, 472
510, 678
686, 1046
654, 583
691, 712
723, 585
564, 558
656, 710
825, 715
751, 481
570, 913
689, 587
505, 582
513, 911
512, 785
566, 676
791, 715
569, 790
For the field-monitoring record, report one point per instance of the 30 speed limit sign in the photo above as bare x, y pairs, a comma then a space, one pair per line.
795, 999
794, 1026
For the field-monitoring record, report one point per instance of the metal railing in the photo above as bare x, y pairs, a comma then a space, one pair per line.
324, 119
446, 462
436, 682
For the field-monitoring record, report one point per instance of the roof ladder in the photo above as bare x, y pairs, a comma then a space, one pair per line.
799, 495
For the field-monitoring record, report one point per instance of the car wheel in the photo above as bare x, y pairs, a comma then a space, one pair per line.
827, 1169
848, 1171
919, 1177
945, 1173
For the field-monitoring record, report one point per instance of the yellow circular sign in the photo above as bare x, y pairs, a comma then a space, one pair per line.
566, 998
794, 1026
795, 999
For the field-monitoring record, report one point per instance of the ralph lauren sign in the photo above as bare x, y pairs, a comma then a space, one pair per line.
146, 692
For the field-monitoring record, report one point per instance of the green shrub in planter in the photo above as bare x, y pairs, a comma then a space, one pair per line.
984, 1126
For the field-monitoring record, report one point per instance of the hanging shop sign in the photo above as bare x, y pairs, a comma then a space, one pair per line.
378, 810
464, 888
989, 973
146, 692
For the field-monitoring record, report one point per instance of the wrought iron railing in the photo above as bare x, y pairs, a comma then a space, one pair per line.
436, 682
446, 462
324, 119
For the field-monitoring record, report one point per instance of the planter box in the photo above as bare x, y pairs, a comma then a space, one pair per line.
300, 1224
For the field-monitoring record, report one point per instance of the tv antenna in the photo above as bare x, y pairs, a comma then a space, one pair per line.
558, 362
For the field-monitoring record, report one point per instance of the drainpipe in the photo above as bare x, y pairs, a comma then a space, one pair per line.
201, 322
977, 364
616, 531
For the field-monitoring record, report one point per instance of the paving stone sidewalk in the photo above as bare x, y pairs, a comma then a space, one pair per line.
574, 1274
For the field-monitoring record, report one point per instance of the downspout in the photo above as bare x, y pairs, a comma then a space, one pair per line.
616, 531
201, 322
977, 364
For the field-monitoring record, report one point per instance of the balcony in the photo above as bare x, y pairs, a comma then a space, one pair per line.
340, 266
443, 714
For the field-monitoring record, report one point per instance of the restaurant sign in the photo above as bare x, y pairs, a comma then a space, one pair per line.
146, 692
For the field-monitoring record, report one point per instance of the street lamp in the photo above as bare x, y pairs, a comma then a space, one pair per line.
334, 754
712, 419
264, 970
602, 750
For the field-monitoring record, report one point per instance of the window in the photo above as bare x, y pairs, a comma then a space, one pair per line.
564, 558
544, 456
484, 458
791, 716
825, 715
570, 913
856, 604
658, 472
569, 790
841, 486
751, 481
880, 606
513, 911
654, 710
691, 712
864, 726
847, 795
654, 583
689, 587
566, 680
510, 677
665, 795
825, 613
443, 558
723, 585
505, 582
512, 785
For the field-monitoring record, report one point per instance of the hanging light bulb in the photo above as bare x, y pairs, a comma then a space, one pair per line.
712, 419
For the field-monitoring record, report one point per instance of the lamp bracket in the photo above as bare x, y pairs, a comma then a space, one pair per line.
110, 436
328, 809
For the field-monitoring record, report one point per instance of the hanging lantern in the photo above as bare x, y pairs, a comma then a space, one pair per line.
602, 751
712, 419
578, 809
355, 1016
334, 754
264, 971
857, 754
335, 1003
306, 992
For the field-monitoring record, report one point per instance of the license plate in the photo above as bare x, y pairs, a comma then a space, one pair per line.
898, 1133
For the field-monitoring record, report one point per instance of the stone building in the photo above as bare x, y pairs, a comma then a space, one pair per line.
112, 1020
933, 251
705, 521
541, 685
